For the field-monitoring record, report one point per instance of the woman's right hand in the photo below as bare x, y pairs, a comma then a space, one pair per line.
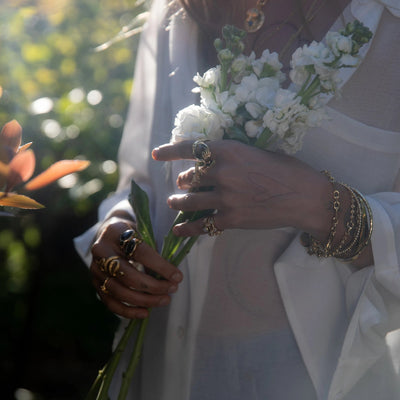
131, 292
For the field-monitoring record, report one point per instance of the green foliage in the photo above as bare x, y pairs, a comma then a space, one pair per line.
48, 64
71, 102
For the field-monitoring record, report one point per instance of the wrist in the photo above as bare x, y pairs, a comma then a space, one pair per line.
350, 228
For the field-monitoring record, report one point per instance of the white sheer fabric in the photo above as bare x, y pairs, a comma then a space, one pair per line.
229, 331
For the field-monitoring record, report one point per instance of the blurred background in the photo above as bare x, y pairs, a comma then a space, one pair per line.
71, 102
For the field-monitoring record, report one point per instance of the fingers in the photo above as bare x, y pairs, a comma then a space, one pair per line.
177, 151
130, 277
186, 180
195, 201
126, 290
130, 292
125, 301
213, 226
152, 260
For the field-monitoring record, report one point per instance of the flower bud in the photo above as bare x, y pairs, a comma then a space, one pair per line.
218, 44
225, 56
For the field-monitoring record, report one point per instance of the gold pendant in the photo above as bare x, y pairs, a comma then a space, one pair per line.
254, 20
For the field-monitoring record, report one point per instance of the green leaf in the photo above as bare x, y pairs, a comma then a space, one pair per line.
237, 133
264, 139
140, 203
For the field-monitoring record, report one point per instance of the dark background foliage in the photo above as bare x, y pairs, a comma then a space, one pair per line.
71, 102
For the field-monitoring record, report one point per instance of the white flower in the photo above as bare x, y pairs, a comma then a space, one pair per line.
268, 61
348, 60
287, 119
245, 91
253, 128
230, 106
272, 59
254, 109
196, 122
298, 75
266, 92
315, 53
239, 65
338, 43
209, 79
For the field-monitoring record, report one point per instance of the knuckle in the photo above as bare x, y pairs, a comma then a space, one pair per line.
95, 249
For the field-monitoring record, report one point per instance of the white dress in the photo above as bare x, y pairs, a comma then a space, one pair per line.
256, 317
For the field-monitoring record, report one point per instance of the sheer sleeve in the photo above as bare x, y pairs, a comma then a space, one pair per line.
134, 151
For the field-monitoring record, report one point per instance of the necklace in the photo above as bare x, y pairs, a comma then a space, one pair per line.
255, 17
255, 20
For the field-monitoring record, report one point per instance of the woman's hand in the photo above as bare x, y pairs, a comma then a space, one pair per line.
131, 292
252, 189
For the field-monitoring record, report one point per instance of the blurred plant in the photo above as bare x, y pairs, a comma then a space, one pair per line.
71, 102
17, 164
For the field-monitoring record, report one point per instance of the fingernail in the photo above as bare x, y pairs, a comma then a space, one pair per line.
154, 153
176, 277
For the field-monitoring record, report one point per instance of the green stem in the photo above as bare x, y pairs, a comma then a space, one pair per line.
176, 260
137, 351
303, 88
310, 91
100, 387
264, 139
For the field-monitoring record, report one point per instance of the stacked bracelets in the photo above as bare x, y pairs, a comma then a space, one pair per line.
358, 228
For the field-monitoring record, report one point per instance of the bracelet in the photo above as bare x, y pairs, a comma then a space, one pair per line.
358, 228
366, 228
315, 246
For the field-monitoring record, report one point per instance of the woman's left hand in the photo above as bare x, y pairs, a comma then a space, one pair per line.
252, 189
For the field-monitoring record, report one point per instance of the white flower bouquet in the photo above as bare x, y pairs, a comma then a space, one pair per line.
247, 99
251, 100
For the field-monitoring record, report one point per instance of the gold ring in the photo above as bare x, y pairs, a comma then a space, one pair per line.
131, 246
196, 174
210, 228
112, 265
101, 263
202, 153
103, 287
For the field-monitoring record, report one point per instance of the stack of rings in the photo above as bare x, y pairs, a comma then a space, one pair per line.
202, 153
110, 266
210, 228
129, 241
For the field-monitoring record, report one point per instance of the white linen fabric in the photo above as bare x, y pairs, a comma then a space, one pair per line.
256, 317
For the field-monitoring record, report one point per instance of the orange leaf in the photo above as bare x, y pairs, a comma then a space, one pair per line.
4, 168
25, 146
11, 135
21, 168
56, 171
18, 201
